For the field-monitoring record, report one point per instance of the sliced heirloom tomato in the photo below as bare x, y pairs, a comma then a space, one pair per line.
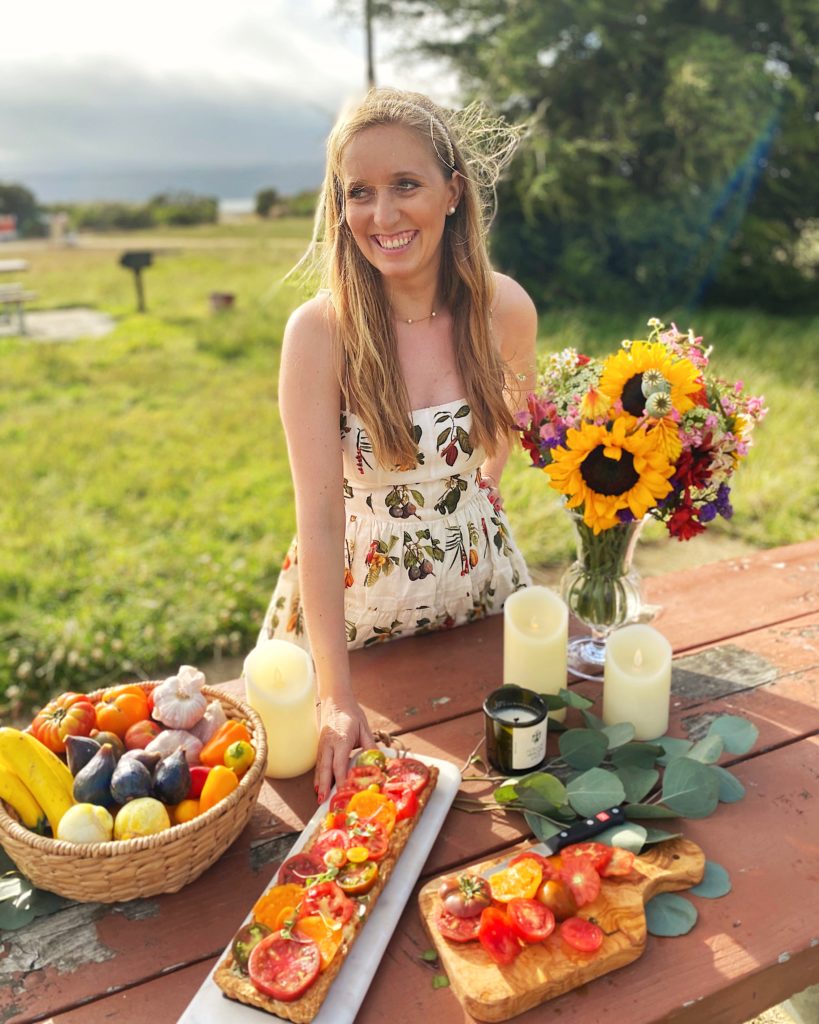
364, 775
356, 879
549, 866
497, 936
328, 901
521, 880
406, 773
248, 936
457, 929
283, 968
268, 908
341, 797
582, 880
326, 937
373, 808
300, 867
326, 841
597, 854
406, 803
621, 863
371, 837
531, 920
584, 936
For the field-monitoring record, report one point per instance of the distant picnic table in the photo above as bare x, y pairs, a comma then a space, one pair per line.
14, 296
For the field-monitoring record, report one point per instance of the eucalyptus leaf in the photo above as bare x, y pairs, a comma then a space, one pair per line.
595, 790
730, 788
592, 721
708, 749
738, 734
553, 702
627, 836
619, 734
583, 748
715, 882
649, 811
546, 786
506, 793
659, 835
641, 755
669, 914
690, 788
672, 748
575, 700
637, 782
541, 827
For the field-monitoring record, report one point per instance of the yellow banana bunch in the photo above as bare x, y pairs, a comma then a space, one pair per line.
15, 793
41, 772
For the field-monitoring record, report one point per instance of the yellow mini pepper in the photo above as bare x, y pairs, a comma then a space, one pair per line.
239, 756
213, 752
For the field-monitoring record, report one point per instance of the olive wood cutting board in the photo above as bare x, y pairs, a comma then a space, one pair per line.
547, 969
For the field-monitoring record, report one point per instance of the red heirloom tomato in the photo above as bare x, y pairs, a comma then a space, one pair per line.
457, 929
364, 775
584, 936
341, 797
598, 854
406, 773
299, 868
582, 880
465, 895
621, 863
70, 714
406, 804
140, 734
284, 968
328, 901
372, 836
532, 921
329, 840
498, 938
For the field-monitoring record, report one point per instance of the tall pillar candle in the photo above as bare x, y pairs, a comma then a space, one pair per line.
535, 641
281, 686
637, 680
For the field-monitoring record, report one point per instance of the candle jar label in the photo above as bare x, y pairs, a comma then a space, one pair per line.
528, 746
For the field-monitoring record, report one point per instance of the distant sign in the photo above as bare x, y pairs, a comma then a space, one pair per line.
8, 226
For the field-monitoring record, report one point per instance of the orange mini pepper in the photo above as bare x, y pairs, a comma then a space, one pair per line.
121, 707
220, 782
213, 752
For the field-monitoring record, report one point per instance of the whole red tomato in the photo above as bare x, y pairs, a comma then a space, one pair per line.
70, 714
140, 734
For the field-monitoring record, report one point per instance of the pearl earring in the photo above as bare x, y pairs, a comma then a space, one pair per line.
450, 211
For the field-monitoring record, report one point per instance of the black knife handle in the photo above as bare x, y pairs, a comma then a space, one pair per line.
586, 827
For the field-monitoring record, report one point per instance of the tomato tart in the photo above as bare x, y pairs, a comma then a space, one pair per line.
285, 959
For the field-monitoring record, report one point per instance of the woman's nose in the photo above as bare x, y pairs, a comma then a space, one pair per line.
386, 212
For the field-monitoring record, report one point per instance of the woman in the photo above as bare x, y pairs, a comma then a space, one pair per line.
425, 353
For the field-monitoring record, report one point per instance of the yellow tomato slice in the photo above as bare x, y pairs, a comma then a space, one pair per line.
358, 854
519, 881
327, 939
373, 807
268, 907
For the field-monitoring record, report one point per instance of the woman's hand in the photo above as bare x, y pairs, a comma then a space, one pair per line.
343, 727
488, 484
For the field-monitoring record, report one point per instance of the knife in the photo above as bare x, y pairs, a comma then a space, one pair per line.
575, 833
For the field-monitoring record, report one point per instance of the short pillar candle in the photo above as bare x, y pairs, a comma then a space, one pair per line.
637, 680
535, 641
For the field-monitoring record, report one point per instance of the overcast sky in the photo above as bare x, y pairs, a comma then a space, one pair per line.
101, 85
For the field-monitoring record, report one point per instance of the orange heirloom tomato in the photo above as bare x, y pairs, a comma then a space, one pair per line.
121, 707
213, 752
221, 781
518, 881
70, 714
327, 938
269, 907
373, 808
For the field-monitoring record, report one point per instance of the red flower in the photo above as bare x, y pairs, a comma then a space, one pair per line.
700, 398
582, 360
694, 466
683, 524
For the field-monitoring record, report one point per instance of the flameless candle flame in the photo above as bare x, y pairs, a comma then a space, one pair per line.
534, 626
638, 658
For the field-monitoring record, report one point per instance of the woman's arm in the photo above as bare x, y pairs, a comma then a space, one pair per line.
514, 319
310, 406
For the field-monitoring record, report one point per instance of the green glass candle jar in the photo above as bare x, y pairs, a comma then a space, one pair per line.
516, 720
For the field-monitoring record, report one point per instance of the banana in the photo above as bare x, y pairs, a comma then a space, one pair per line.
15, 793
40, 771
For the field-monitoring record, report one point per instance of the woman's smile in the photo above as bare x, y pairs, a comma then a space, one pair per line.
395, 243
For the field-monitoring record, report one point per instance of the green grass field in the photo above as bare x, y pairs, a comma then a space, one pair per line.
147, 500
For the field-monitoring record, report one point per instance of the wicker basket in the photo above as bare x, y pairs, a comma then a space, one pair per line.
127, 869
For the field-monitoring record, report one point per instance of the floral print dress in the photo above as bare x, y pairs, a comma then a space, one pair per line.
424, 548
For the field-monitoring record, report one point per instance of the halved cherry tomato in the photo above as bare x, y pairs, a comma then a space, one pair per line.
267, 908
336, 857
332, 838
372, 837
457, 929
582, 935
465, 895
355, 879
327, 938
327, 900
341, 797
407, 773
70, 714
406, 804
554, 895
120, 707
548, 868
299, 868
582, 880
598, 854
373, 808
496, 935
621, 863
531, 920
284, 968
364, 775
520, 880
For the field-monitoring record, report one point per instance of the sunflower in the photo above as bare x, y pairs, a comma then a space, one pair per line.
623, 376
606, 469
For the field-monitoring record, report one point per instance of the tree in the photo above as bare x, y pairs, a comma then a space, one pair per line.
20, 201
672, 150
266, 199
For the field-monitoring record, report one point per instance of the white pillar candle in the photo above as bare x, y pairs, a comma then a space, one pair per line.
281, 686
637, 680
535, 641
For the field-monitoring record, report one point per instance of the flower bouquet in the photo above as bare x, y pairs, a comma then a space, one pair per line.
648, 431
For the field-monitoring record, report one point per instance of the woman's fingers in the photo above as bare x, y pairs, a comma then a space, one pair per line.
324, 767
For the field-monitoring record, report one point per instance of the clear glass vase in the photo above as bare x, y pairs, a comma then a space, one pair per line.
601, 589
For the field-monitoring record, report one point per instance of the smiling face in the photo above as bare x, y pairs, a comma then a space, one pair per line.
396, 197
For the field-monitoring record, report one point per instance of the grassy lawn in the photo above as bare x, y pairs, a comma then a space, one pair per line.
147, 500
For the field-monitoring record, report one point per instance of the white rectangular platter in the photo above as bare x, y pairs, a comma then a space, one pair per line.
209, 1006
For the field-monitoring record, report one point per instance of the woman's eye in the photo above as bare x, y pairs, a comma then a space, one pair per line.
357, 192
407, 185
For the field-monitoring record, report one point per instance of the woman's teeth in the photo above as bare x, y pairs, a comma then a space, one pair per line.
395, 241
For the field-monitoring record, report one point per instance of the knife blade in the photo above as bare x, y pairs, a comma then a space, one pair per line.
577, 832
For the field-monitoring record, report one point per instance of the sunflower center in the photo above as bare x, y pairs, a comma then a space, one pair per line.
608, 476
633, 399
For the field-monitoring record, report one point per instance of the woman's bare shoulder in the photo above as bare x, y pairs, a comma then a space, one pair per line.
513, 312
313, 319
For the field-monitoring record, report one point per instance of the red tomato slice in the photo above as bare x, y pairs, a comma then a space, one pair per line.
341, 797
584, 936
582, 880
328, 840
531, 921
372, 836
300, 867
598, 854
406, 804
328, 901
407, 773
457, 929
547, 867
364, 775
284, 968
621, 863
497, 936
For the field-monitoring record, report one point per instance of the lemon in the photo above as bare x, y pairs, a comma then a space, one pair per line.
86, 823
142, 817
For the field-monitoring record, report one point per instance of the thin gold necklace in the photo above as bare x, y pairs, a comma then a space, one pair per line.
418, 320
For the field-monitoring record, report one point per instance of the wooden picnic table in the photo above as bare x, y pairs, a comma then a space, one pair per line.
746, 638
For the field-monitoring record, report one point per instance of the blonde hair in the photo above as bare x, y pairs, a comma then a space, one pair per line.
477, 146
